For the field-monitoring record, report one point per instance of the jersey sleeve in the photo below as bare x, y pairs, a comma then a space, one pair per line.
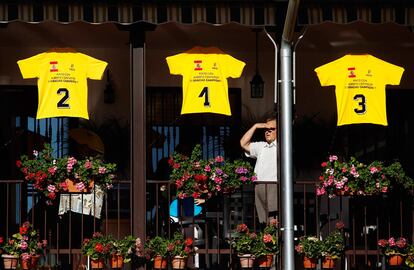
175, 63
95, 68
394, 74
29, 67
233, 67
325, 73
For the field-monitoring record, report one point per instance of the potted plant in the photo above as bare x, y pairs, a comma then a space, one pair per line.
123, 250
11, 252
29, 238
245, 243
137, 255
310, 247
179, 249
394, 249
201, 178
333, 247
409, 260
157, 250
355, 178
267, 244
50, 175
26, 245
98, 248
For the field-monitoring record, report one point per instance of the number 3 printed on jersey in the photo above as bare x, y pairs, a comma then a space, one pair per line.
362, 106
62, 103
204, 93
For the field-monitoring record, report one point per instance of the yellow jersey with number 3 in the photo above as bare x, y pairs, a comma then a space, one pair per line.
62, 81
360, 87
205, 72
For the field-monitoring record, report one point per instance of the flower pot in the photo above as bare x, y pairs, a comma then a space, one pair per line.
31, 263
341, 192
97, 263
328, 263
309, 262
72, 187
117, 261
246, 260
10, 261
160, 262
179, 262
395, 260
265, 260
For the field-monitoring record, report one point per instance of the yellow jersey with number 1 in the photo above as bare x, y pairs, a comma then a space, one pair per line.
205, 72
62, 81
360, 87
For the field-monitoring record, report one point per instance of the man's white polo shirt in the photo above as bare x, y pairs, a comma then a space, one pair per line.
266, 155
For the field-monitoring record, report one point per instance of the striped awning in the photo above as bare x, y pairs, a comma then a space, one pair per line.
372, 14
260, 13
127, 13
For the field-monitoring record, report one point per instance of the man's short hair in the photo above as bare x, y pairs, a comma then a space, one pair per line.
272, 118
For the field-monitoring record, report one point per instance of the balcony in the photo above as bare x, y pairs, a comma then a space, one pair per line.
366, 219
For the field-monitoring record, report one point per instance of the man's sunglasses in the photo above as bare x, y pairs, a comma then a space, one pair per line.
270, 129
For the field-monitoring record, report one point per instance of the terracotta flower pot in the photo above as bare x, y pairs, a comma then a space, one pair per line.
341, 192
97, 263
265, 260
395, 260
179, 262
309, 262
117, 261
246, 260
10, 261
160, 262
31, 263
72, 187
328, 263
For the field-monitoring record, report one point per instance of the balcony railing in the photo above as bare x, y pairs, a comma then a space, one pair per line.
367, 219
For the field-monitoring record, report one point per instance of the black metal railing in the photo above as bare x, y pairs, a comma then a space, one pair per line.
366, 219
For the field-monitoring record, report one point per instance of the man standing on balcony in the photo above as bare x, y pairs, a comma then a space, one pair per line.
265, 153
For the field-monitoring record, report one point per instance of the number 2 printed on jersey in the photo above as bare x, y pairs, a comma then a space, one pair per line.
62, 103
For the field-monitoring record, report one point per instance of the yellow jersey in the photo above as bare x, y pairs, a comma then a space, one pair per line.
360, 87
62, 81
205, 72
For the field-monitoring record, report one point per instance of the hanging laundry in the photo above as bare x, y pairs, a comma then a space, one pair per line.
360, 87
205, 72
62, 81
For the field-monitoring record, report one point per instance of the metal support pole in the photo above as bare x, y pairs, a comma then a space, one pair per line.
286, 153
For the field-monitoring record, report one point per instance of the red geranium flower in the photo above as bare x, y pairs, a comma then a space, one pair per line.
23, 230
99, 247
176, 165
189, 241
200, 178
171, 161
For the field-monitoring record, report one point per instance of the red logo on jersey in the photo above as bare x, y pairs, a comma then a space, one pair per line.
351, 72
197, 64
53, 66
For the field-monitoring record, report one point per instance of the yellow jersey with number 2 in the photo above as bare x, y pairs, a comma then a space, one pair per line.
360, 87
62, 81
205, 72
